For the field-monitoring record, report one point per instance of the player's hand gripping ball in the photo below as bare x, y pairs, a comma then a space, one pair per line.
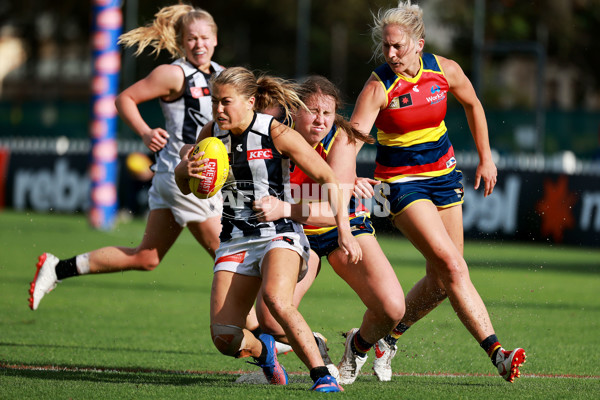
217, 168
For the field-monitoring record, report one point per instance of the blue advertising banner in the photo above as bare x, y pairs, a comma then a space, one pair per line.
526, 206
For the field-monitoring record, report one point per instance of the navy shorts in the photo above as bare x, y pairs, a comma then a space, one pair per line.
443, 191
325, 243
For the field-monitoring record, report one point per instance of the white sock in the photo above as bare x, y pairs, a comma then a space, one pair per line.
82, 262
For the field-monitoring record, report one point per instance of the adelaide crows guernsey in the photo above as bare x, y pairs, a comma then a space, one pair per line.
256, 170
185, 116
412, 139
309, 190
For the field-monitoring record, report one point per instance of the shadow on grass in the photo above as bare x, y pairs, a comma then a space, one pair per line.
140, 376
539, 307
116, 375
111, 349
116, 285
576, 266
582, 267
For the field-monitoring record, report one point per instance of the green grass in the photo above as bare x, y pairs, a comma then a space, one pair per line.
146, 335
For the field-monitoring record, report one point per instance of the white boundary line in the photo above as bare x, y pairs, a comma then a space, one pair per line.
59, 368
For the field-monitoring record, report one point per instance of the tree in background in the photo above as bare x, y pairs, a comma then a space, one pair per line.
339, 42
566, 28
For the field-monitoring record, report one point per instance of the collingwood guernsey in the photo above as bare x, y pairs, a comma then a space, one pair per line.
185, 117
256, 170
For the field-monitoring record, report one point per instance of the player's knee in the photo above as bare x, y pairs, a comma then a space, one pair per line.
149, 266
448, 271
147, 260
389, 312
229, 340
395, 309
455, 273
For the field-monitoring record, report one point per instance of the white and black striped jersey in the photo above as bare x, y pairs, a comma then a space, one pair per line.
256, 170
185, 117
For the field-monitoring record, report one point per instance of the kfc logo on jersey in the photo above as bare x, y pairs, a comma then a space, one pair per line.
262, 154
198, 92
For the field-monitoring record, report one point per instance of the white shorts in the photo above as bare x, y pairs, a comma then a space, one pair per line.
244, 255
164, 193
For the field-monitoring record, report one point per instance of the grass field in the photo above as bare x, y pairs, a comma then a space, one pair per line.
145, 335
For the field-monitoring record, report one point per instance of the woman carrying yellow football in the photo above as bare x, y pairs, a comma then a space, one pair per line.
254, 255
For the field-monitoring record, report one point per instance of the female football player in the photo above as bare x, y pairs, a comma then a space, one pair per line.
190, 34
255, 255
372, 278
405, 98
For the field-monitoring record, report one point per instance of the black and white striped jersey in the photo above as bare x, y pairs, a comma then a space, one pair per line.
257, 170
185, 117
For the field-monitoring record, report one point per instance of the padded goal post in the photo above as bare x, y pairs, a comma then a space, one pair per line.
106, 64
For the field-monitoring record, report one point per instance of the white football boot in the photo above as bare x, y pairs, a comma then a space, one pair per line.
382, 365
282, 348
44, 280
351, 363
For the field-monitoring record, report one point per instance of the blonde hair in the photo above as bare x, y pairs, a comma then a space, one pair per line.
267, 90
166, 31
407, 16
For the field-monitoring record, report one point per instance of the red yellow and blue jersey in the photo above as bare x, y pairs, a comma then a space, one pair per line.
412, 139
311, 191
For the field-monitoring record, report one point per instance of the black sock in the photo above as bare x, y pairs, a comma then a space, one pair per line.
398, 331
359, 346
66, 269
262, 359
389, 339
256, 332
318, 372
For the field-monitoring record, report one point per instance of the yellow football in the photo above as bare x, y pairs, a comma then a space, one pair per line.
217, 170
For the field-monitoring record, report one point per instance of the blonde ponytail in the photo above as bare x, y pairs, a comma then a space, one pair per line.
166, 30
